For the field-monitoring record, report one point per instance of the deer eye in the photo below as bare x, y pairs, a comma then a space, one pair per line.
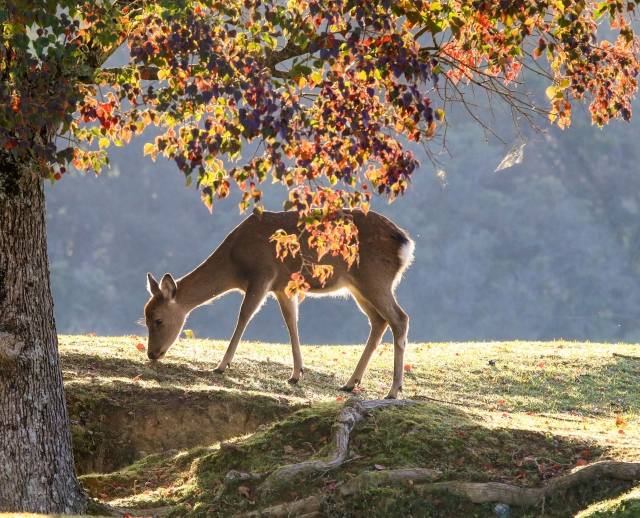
159, 321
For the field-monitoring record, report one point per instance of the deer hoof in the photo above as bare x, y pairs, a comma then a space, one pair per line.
292, 381
218, 371
344, 388
390, 396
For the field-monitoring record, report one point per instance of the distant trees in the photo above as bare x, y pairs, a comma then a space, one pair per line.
325, 87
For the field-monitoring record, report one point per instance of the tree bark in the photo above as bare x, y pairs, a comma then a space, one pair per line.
36, 462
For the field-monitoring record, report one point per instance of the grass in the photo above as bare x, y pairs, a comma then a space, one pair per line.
519, 412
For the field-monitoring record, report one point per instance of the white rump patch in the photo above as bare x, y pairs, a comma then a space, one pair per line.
406, 253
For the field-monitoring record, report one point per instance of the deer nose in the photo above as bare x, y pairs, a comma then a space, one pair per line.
152, 355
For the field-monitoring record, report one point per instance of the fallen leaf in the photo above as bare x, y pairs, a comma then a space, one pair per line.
407, 367
339, 399
621, 431
620, 422
581, 462
460, 461
103, 496
244, 490
293, 494
147, 492
313, 428
378, 466
283, 400
541, 365
288, 449
140, 346
500, 402
137, 378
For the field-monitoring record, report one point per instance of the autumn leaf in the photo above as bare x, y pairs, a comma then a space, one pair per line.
140, 346
581, 462
379, 467
137, 378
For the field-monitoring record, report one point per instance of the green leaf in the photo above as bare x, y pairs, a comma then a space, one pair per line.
551, 92
565, 83
189, 181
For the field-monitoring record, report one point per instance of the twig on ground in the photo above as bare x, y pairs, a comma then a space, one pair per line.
628, 357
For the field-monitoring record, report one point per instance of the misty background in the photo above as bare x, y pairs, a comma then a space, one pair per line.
546, 249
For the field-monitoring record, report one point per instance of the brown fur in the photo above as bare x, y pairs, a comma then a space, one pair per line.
246, 261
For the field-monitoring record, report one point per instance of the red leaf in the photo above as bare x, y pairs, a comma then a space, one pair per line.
137, 378
140, 346
581, 462
102, 495
339, 399
407, 367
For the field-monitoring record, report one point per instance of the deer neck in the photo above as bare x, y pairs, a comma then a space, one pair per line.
211, 279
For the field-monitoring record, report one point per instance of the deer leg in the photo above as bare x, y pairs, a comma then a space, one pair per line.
399, 323
386, 305
378, 327
253, 299
289, 308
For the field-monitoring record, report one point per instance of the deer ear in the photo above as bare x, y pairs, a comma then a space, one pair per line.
153, 286
168, 287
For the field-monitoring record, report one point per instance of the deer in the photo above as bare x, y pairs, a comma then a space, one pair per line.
246, 261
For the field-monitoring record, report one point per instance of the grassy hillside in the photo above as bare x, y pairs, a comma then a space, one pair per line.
519, 413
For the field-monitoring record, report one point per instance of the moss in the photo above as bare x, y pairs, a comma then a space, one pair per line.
625, 506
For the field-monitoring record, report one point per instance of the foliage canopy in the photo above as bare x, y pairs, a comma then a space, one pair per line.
326, 88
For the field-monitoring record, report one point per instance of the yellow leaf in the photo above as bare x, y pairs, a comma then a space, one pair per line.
551, 92
104, 142
148, 148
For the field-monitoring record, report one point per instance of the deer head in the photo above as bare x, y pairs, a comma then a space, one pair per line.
163, 316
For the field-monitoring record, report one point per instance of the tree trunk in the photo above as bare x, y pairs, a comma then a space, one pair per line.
36, 462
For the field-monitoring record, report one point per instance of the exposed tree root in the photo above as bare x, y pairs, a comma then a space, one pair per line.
366, 480
352, 412
531, 497
476, 492
355, 410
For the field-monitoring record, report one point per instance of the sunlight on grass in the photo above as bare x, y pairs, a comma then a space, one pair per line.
491, 403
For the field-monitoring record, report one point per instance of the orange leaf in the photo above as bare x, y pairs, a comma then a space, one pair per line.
407, 367
137, 378
619, 421
140, 346
581, 462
